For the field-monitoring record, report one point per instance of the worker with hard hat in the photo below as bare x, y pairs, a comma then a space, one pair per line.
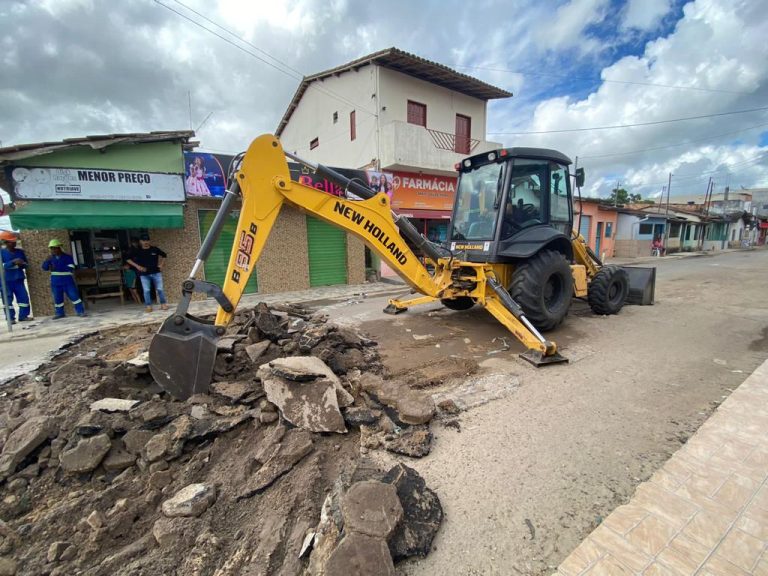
62, 268
14, 263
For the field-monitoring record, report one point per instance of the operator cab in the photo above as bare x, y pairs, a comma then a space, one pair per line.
510, 203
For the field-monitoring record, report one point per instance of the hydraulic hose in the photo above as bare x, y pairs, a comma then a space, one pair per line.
408, 230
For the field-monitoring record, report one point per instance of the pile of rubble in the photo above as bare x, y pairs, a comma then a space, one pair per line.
272, 472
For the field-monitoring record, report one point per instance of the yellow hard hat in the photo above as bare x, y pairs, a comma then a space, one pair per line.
54, 243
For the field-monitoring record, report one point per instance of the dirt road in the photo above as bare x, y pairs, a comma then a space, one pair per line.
526, 477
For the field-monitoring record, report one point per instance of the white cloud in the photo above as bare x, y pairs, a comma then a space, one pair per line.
645, 14
128, 66
563, 29
715, 47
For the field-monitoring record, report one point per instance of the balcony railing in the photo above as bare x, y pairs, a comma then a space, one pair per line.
459, 144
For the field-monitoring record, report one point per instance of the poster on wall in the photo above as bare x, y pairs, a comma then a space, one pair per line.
381, 182
38, 183
376, 181
205, 174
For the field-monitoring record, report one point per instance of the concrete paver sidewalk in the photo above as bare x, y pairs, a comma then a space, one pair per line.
705, 512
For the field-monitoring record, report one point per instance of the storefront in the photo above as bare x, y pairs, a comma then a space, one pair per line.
427, 201
95, 194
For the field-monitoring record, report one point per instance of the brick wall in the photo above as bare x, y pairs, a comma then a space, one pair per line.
284, 263
181, 246
632, 248
35, 245
355, 260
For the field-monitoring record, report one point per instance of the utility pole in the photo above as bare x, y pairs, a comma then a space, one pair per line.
666, 222
705, 212
6, 299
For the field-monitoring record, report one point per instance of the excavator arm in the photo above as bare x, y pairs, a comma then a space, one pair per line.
265, 184
183, 352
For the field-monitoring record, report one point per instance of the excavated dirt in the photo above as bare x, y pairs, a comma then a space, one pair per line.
95, 492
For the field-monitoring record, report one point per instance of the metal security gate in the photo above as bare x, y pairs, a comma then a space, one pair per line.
327, 253
216, 265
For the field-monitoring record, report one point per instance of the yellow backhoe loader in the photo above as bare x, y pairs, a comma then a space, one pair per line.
511, 249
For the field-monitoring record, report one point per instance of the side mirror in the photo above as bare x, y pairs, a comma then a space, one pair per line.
579, 177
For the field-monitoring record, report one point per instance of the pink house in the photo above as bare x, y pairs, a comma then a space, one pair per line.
597, 223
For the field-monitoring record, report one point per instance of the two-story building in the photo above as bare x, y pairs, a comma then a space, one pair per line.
409, 119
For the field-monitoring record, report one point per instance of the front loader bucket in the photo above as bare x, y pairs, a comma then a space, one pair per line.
182, 355
642, 285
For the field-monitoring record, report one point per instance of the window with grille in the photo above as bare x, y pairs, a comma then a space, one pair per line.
352, 127
314, 143
417, 113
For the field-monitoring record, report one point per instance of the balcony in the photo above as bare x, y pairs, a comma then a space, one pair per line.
408, 146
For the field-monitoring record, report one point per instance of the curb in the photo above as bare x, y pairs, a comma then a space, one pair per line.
50, 331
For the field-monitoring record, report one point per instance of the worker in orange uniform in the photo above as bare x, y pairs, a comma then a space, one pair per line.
14, 263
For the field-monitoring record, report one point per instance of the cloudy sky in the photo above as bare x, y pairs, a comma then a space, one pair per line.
76, 67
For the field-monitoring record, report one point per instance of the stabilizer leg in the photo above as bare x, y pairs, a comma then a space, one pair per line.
397, 306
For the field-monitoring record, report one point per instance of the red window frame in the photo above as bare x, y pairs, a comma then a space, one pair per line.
417, 113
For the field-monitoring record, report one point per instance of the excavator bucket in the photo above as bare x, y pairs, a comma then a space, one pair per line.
642, 285
182, 355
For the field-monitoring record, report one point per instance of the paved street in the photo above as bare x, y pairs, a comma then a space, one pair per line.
541, 457
529, 476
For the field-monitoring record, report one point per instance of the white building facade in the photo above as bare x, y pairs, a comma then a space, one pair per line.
407, 119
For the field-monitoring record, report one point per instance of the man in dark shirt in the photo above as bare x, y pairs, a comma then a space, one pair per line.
148, 262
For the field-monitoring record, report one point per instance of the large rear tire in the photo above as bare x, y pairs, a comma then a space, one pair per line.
543, 286
608, 290
460, 303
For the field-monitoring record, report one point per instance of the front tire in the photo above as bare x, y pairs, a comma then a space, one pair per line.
543, 286
460, 303
608, 290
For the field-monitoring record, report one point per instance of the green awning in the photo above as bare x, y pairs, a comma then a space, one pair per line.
78, 214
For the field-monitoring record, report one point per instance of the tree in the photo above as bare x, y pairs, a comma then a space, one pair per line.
622, 196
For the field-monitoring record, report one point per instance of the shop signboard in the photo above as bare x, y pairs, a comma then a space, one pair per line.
376, 181
206, 174
423, 191
94, 184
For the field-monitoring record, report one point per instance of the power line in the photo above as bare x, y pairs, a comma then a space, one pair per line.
295, 76
707, 173
571, 77
675, 145
300, 75
634, 125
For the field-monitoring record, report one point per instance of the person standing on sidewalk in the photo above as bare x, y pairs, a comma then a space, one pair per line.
62, 268
14, 262
148, 261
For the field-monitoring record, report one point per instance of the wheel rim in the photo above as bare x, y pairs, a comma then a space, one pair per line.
553, 291
613, 291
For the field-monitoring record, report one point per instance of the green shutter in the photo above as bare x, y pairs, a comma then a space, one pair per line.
216, 265
327, 253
